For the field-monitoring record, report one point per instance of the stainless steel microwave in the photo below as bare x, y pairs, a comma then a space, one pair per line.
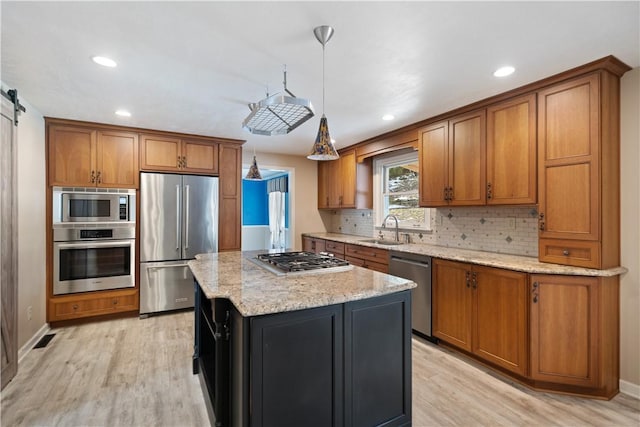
93, 205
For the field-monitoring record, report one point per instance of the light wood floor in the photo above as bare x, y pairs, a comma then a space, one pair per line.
134, 372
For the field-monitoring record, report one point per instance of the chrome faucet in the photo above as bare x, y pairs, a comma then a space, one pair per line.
384, 225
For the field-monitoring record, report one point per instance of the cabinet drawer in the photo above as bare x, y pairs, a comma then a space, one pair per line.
570, 252
83, 306
371, 265
335, 248
380, 256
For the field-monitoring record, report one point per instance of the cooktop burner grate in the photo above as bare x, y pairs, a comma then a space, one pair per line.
301, 261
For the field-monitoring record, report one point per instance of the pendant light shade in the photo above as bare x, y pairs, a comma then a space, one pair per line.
323, 149
254, 172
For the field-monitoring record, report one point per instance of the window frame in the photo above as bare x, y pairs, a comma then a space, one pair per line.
379, 165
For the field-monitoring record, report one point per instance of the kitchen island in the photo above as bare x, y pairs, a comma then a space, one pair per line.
328, 347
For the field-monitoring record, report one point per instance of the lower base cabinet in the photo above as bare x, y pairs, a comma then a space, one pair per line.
574, 332
482, 310
78, 306
340, 365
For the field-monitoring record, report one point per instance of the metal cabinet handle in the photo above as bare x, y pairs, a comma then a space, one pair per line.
75, 306
535, 292
467, 276
99, 177
489, 191
541, 221
93, 176
474, 280
565, 252
186, 220
445, 194
177, 217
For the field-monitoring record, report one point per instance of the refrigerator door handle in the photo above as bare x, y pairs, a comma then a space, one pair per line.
186, 220
177, 217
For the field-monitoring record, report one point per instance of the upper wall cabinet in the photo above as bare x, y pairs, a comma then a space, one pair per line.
452, 157
578, 172
81, 156
166, 153
345, 183
511, 152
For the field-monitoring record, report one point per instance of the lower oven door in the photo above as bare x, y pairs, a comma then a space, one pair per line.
93, 266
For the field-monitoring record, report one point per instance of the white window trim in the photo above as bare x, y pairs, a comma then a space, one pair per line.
379, 163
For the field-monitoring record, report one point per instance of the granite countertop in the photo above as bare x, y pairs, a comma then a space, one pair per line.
491, 259
255, 291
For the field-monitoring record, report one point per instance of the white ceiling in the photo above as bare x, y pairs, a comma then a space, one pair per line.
193, 67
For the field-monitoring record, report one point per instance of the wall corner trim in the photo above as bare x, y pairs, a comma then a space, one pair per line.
630, 389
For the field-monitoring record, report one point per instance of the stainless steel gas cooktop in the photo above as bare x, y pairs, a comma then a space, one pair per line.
297, 262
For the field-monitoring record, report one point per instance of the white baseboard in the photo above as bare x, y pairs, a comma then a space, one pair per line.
630, 389
25, 349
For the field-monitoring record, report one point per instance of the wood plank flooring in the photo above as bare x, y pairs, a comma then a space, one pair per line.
137, 372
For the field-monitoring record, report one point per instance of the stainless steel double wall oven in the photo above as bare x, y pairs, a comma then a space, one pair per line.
93, 239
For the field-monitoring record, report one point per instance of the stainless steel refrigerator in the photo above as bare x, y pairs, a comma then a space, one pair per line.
178, 219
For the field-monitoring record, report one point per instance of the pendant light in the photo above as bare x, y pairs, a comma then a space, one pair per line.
254, 172
323, 149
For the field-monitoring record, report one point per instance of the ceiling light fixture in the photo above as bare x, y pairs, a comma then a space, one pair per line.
388, 117
254, 172
278, 114
323, 149
104, 61
123, 113
504, 71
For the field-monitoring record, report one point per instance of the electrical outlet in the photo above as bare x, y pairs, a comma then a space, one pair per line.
511, 223
29, 312
441, 219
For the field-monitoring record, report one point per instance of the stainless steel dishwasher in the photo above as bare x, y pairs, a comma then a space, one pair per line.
418, 269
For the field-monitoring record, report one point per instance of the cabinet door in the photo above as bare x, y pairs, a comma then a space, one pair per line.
467, 159
307, 244
334, 183
348, 179
500, 317
297, 368
452, 303
200, 157
568, 144
72, 154
433, 160
160, 153
323, 185
564, 329
229, 237
511, 152
117, 159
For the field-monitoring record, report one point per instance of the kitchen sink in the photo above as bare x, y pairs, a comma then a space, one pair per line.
382, 242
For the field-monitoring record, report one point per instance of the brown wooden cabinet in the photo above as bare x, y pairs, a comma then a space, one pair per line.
86, 157
452, 157
174, 154
482, 310
313, 244
511, 152
364, 256
335, 248
229, 232
345, 183
92, 304
574, 333
578, 172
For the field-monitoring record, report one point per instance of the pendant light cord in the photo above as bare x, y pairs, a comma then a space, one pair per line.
323, 79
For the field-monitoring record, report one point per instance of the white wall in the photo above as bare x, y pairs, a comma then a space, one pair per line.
630, 232
31, 223
303, 187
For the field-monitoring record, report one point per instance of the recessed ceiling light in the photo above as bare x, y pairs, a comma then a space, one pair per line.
123, 113
504, 71
388, 117
103, 60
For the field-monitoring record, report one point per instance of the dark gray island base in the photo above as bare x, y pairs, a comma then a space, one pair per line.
345, 364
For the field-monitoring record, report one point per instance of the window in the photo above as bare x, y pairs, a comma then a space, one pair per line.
396, 183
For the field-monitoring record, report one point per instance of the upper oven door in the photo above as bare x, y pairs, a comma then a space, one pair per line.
79, 207
93, 266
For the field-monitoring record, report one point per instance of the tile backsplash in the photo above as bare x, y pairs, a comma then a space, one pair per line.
509, 230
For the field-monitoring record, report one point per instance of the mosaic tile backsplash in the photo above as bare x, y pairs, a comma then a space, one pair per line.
509, 230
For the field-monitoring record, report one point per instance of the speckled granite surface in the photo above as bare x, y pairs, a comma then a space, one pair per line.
255, 291
510, 262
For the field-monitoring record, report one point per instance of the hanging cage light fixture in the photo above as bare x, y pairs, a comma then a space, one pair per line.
323, 148
278, 114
